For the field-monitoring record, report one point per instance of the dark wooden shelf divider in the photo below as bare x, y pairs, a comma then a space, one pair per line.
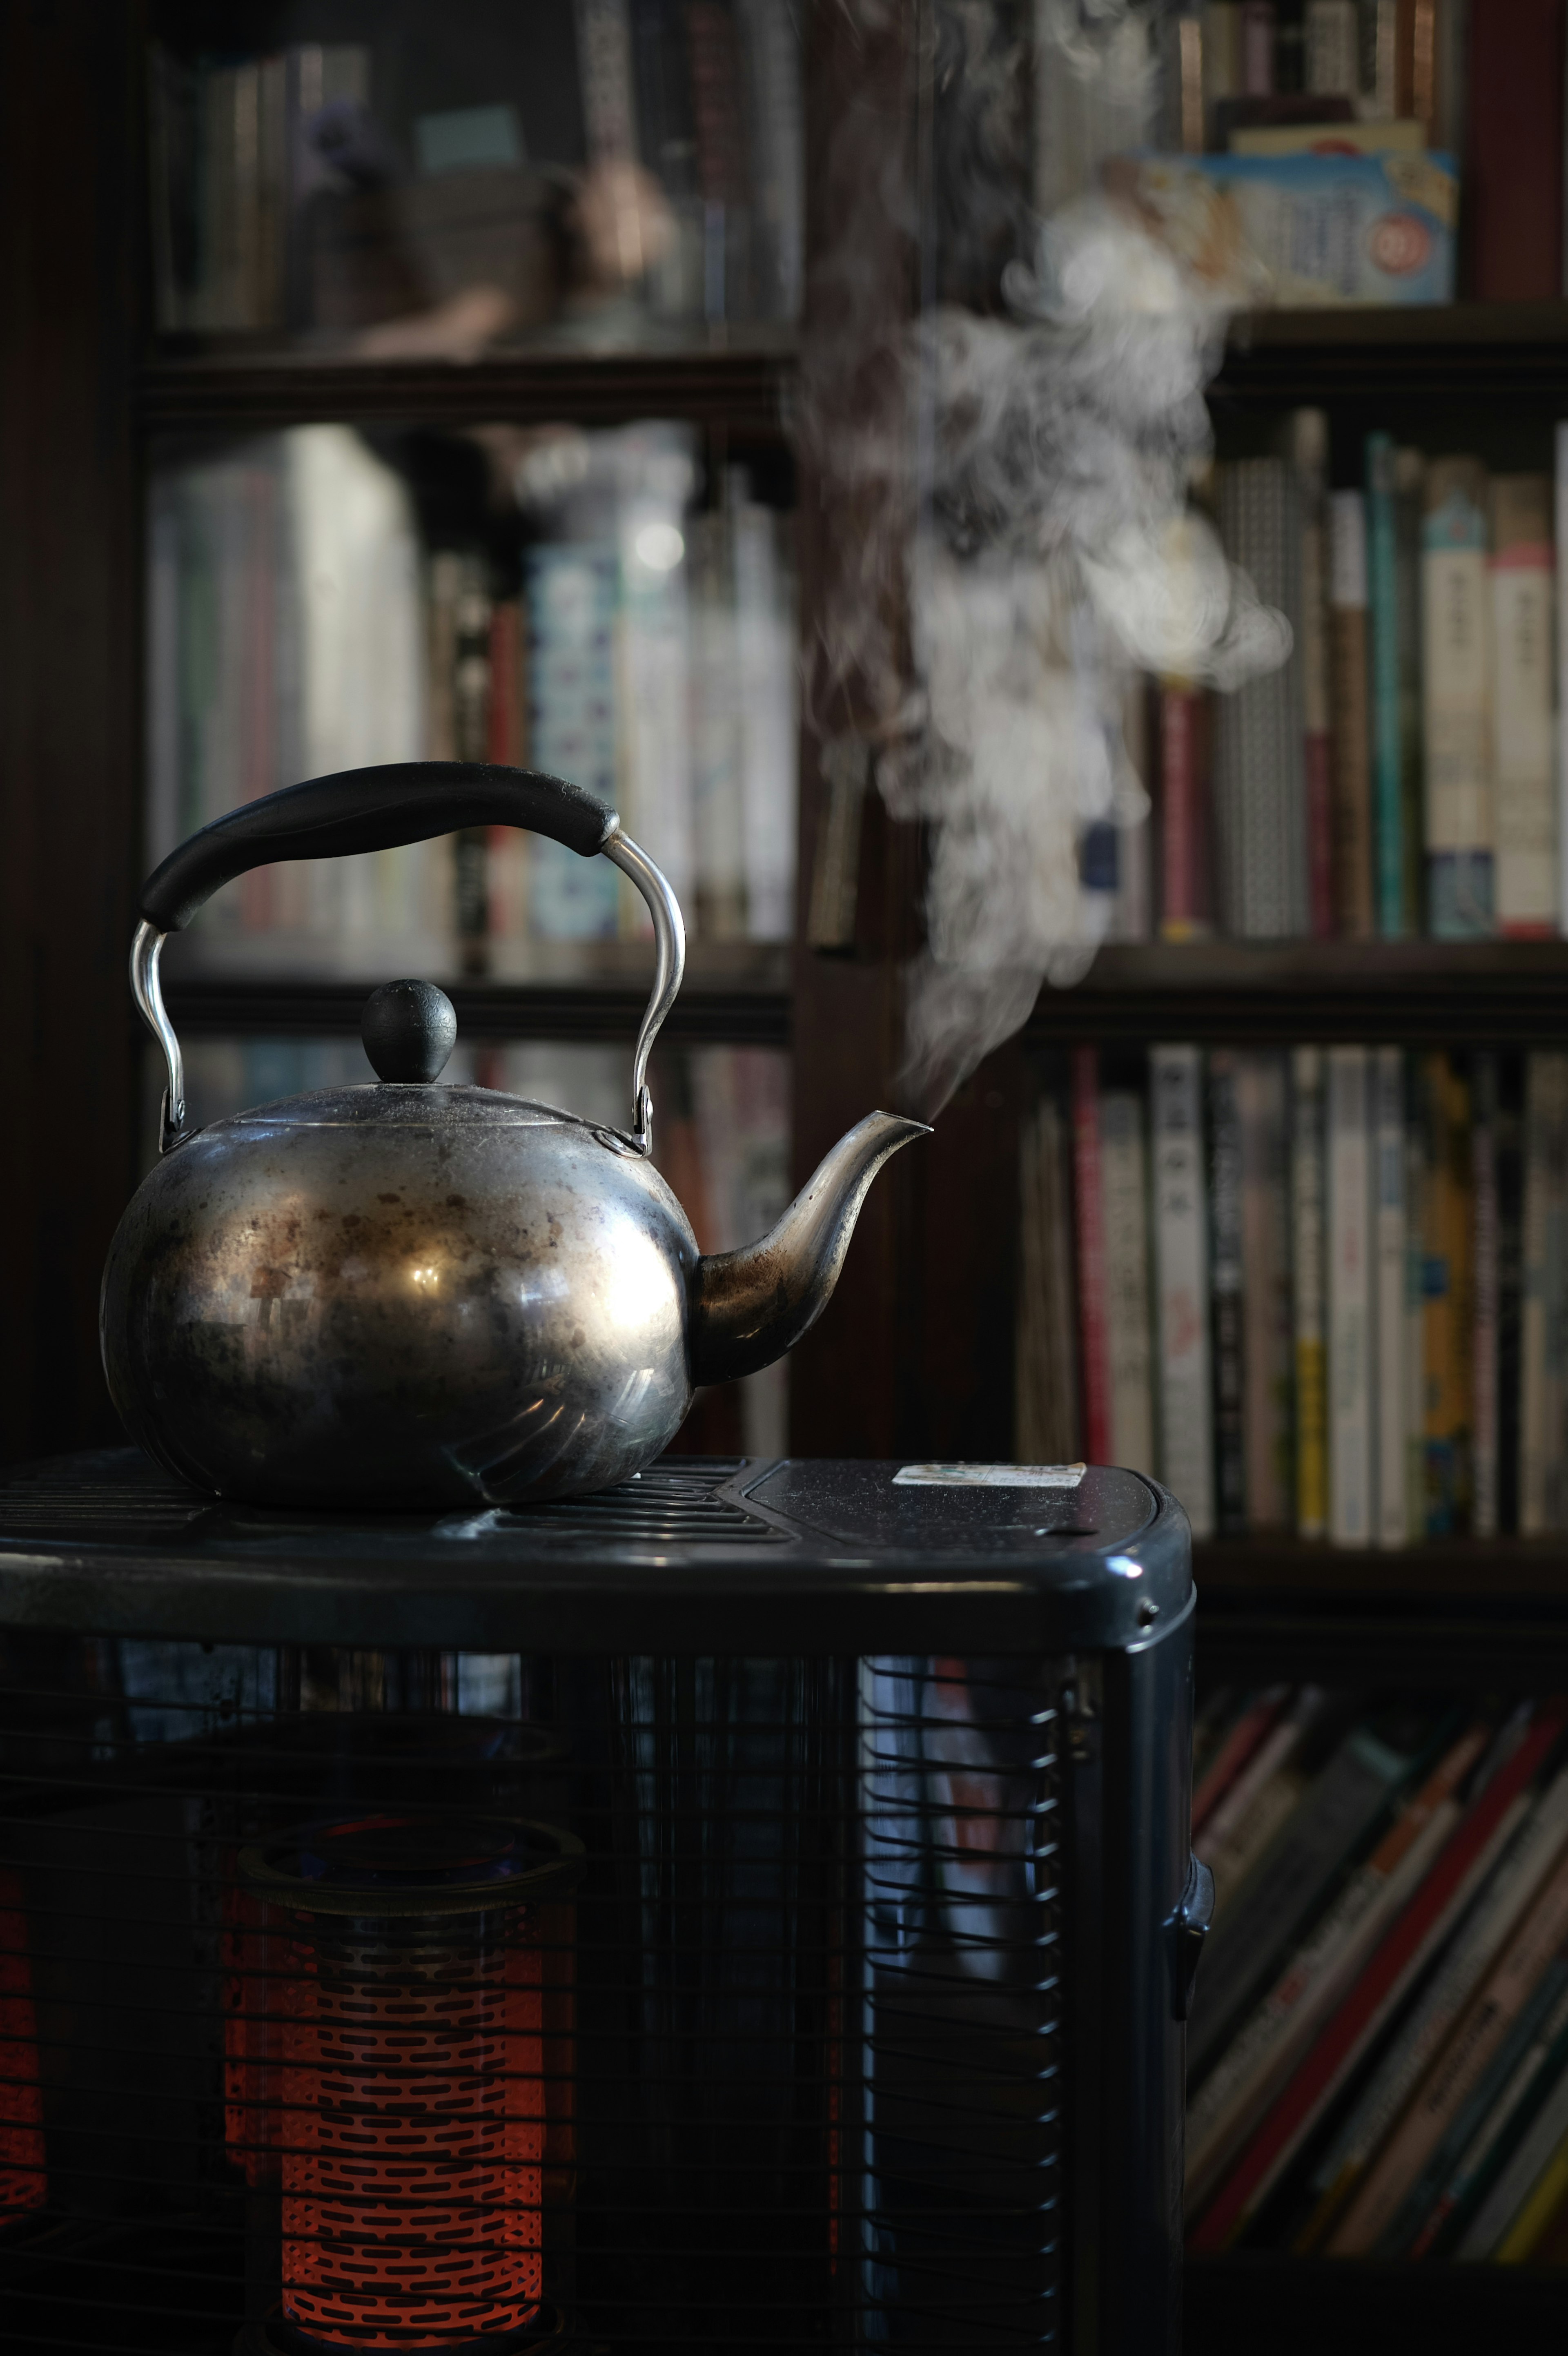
1256, 2305
1438, 993
1361, 352
744, 392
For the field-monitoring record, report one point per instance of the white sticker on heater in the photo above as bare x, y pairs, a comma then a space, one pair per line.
988, 1476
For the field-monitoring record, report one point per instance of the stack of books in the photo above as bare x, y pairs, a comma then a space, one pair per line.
609, 630
1321, 1290
613, 169
1378, 2059
1401, 774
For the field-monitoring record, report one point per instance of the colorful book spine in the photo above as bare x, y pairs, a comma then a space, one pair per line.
1523, 719
1047, 1428
1457, 700
1503, 1872
1184, 891
1308, 1290
1509, 1159
1391, 1970
1484, 1419
1123, 1179
1262, 1096
1382, 581
1448, 1304
1181, 1266
1351, 1382
1392, 1512
1225, 1272
1088, 1200
1352, 771
1309, 454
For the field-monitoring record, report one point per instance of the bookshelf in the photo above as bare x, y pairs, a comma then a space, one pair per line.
914, 1355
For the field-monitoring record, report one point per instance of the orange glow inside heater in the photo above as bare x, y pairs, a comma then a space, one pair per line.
23, 2182
411, 2081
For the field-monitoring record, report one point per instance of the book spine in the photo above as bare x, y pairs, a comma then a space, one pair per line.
1333, 48
1383, 630
1409, 476
1539, 2211
1245, 1819
1241, 1742
1457, 701
1088, 1198
1448, 1306
1225, 1291
1257, 48
1543, 1287
1513, 180
1496, 2128
1047, 1429
1350, 1394
1309, 449
1123, 1179
1187, 1454
1526, 1842
1347, 621
1520, 2174
765, 637
1395, 1963
1183, 813
1392, 1505
1560, 508
1483, 1296
1523, 736
1459, 2069
1416, 1213
1510, 1162
604, 70
1268, 1402
1307, 1193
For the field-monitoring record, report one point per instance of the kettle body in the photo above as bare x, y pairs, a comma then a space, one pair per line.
404, 1294
409, 1296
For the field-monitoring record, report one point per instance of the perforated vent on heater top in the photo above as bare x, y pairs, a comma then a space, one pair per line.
674, 1503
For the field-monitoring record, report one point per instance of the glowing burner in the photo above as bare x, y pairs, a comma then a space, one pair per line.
412, 2122
23, 2182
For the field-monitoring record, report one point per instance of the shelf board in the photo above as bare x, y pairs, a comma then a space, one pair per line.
1432, 993
742, 391
1452, 1611
1256, 2305
746, 1015
1327, 353
1361, 352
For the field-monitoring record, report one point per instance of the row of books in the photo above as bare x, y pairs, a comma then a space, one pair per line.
721, 1138
623, 638
1402, 772
1378, 2059
598, 165
1324, 1289
1345, 128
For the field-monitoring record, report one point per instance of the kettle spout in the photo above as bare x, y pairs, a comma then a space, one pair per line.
749, 1306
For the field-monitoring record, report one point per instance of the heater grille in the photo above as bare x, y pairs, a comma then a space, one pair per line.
627, 2004
664, 1507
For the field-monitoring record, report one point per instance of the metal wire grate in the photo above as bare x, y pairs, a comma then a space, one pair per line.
295, 2054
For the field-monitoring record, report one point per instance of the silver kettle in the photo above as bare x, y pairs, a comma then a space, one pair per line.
411, 1295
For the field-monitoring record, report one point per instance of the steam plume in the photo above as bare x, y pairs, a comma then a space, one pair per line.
1015, 485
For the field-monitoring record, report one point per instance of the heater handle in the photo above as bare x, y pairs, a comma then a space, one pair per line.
1186, 1931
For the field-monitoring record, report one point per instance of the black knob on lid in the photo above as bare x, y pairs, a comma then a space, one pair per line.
408, 1029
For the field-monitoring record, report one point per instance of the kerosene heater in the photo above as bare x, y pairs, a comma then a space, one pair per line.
746, 1908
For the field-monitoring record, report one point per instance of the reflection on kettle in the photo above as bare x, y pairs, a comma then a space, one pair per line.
406, 1294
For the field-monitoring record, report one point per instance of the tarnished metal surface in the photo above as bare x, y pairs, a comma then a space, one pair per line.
411, 1295
749, 1306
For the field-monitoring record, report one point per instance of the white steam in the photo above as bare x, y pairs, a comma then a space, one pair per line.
1023, 545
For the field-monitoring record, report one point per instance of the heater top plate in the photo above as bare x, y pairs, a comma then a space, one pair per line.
696, 1555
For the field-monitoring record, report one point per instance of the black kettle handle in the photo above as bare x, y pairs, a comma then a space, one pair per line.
375, 810
370, 809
